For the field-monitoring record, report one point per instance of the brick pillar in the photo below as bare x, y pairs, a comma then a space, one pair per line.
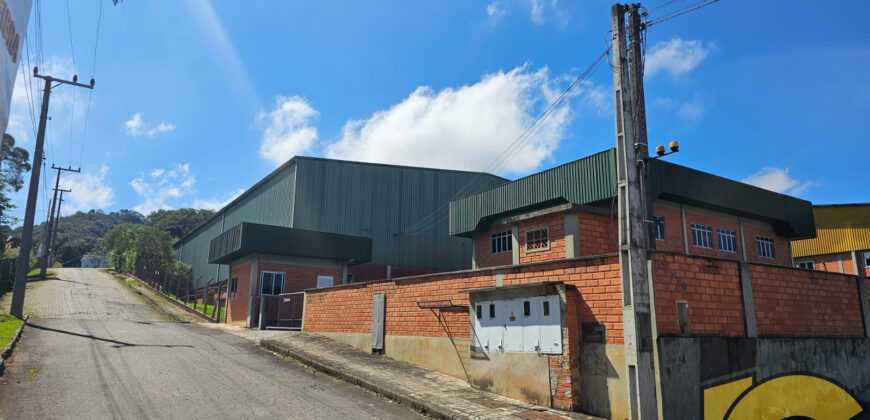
565, 368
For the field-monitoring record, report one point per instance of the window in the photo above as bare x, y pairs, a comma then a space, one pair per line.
546, 308
325, 281
867, 259
527, 309
806, 265
502, 242
491, 310
350, 278
478, 311
765, 247
234, 285
727, 240
271, 283
659, 228
702, 236
538, 239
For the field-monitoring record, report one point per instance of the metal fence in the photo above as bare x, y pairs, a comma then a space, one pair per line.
209, 299
284, 311
7, 274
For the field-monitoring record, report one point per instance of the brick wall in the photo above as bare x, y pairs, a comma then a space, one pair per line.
781, 245
791, 302
371, 272
348, 308
483, 255
598, 234
556, 224
237, 308
711, 287
673, 229
298, 278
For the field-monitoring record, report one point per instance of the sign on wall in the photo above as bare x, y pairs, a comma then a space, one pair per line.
13, 26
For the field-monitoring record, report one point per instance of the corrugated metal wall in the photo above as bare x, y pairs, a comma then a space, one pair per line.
404, 210
840, 229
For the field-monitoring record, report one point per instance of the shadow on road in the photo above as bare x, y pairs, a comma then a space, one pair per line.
118, 344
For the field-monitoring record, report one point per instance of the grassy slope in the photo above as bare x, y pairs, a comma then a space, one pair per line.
8, 326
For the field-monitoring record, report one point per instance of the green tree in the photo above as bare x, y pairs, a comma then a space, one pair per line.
178, 222
14, 163
129, 244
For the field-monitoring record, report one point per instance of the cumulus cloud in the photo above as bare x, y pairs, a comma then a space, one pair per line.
136, 127
495, 12
217, 203
778, 180
163, 188
288, 131
463, 128
676, 57
89, 191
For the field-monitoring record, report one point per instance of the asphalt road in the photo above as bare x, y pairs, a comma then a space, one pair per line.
96, 350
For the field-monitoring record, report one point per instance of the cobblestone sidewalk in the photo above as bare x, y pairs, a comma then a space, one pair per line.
440, 395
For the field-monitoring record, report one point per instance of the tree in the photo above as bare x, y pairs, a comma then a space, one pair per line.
17, 163
130, 245
178, 222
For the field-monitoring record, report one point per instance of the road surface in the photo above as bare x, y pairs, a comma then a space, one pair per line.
93, 349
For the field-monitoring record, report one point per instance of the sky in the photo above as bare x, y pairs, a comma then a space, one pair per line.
197, 100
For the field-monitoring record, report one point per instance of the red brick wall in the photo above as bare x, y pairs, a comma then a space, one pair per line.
298, 278
718, 223
371, 272
781, 246
673, 229
237, 308
598, 234
830, 262
798, 303
711, 288
556, 223
483, 249
348, 308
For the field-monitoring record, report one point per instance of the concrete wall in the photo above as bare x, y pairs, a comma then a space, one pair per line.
706, 377
603, 380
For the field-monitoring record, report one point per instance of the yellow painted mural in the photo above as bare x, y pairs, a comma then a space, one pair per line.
778, 398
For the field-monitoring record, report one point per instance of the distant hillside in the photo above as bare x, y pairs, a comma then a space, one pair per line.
82, 233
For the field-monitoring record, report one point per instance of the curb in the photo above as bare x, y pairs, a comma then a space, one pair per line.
405, 399
170, 300
8, 350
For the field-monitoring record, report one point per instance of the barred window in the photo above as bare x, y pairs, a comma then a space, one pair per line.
538, 239
807, 265
659, 228
765, 247
702, 236
727, 240
501, 242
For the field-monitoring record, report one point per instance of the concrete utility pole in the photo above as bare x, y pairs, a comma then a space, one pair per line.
632, 153
56, 223
17, 307
46, 247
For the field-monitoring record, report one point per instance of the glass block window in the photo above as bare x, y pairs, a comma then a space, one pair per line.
727, 240
702, 236
501, 242
765, 247
538, 239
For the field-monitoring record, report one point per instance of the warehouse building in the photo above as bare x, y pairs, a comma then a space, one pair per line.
843, 241
398, 214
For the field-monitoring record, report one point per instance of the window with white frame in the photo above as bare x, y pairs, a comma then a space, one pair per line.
538, 239
702, 236
727, 240
234, 285
501, 242
765, 247
271, 283
659, 228
806, 265
867, 259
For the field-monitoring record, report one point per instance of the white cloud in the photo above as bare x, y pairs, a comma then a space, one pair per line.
689, 112
778, 180
495, 12
537, 11
543, 11
462, 128
163, 188
216, 203
89, 191
67, 106
676, 57
136, 127
288, 131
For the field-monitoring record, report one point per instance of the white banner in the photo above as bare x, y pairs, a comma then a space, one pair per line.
14, 15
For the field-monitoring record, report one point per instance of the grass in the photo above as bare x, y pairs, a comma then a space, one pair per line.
209, 310
8, 327
35, 273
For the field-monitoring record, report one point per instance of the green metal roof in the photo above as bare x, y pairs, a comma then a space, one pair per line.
249, 238
592, 180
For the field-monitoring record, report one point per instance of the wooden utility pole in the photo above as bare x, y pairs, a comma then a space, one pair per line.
49, 228
16, 309
632, 153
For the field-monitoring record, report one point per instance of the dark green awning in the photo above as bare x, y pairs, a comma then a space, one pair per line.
249, 238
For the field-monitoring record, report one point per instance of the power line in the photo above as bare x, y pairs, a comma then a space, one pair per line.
90, 92
69, 27
691, 8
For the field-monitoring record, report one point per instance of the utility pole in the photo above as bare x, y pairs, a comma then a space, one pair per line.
46, 247
17, 307
56, 220
632, 154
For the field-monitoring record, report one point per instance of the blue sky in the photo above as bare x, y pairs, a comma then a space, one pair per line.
197, 100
